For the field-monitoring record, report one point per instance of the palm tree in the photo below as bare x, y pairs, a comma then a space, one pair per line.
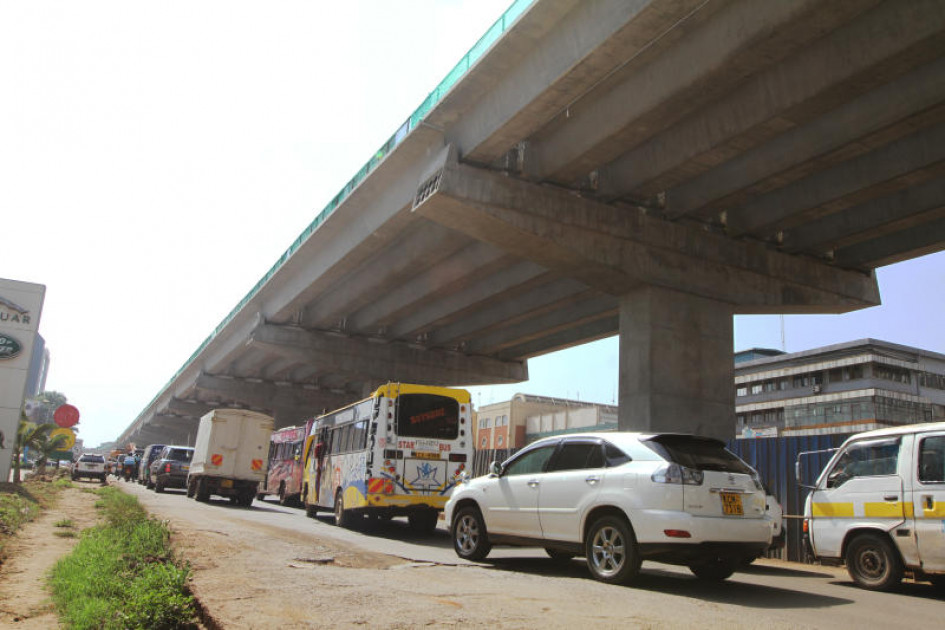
36, 437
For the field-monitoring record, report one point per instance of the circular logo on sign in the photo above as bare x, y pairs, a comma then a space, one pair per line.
9, 347
66, 416
66, 444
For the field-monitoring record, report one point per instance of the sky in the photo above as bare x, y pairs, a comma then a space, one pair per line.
157, 158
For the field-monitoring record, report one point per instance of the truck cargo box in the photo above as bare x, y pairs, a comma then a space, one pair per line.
230, 455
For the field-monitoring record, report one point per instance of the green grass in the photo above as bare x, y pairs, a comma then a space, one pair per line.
21, 503
122, 574
66, 522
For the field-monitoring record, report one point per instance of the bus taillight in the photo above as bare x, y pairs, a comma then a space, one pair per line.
457, 457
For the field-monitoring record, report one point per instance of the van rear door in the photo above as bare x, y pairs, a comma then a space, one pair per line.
928, 499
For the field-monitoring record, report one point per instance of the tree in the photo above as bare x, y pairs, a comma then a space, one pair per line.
36, 437
45, 405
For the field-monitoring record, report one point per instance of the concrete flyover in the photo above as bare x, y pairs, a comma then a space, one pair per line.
595, 167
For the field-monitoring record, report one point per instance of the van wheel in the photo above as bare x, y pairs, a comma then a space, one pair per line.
714, 569
470, 538
611, 551
342, 516
873, 563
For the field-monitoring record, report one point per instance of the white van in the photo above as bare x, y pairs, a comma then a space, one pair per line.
879, 506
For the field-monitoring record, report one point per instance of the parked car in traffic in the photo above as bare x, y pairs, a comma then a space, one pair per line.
171, 468
91, 465
618, 499
151, 453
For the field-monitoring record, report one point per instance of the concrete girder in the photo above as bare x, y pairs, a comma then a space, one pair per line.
429, 241
556, 58
786, 96
380, 362
536, 299
868, 220
617, 250
911, 243
515, 276
889, 112
400, 299
641, 100
906, 162
591, 330
271, 395
190, 408
543, 325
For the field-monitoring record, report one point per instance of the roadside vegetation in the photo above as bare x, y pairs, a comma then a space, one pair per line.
123, 574
20, 503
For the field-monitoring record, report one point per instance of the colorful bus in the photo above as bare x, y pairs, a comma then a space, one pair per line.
284, 477
399, 452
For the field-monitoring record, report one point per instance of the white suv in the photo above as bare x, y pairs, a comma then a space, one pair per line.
90, 465
617, 499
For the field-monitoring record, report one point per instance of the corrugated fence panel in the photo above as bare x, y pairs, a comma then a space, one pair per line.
774, 459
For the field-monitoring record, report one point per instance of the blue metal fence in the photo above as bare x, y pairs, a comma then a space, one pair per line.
774, 460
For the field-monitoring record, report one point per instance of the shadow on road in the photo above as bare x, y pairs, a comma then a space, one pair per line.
908, 588
652, 578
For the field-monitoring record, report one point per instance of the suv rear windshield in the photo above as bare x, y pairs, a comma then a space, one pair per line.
94, 459
427, 416
179, 454
697, 453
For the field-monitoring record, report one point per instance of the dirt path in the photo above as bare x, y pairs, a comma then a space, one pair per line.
24, 600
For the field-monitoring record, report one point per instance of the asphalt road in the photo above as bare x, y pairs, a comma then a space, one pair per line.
769, 593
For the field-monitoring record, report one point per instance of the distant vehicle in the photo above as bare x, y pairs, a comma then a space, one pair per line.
398, 453
879, 506
91, 465
151, 452
284, 477
230, 455
618, 499
171, 467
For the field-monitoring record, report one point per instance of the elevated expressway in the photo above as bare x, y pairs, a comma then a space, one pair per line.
596, 167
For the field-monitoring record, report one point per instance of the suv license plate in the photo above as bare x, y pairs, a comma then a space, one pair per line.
732, 504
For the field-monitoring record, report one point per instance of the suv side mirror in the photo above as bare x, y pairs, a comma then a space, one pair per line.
495, 468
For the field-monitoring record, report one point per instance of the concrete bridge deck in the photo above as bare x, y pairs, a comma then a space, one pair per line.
595, 167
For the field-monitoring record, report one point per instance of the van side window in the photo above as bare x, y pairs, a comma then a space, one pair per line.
866, 459
932, 459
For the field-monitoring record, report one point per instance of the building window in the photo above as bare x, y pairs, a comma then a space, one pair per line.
756, 388
741, 391
485, 423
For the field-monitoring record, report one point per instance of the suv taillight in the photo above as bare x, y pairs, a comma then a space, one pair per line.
167, 468
674, 473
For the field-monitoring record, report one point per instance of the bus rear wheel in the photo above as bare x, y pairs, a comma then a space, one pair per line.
343, 517
423, 522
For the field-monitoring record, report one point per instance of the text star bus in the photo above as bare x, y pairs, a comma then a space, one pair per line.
284, 477
399, 452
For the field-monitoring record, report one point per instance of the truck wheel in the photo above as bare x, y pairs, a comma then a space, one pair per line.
873, 563
342, 516
202, 492
246, 499
190, 489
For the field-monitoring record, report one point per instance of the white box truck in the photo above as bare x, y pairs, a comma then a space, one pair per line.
231, 455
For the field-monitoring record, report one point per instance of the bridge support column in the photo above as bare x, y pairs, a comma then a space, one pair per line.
676, 369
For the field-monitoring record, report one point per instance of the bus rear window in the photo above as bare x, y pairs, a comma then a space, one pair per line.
427, 416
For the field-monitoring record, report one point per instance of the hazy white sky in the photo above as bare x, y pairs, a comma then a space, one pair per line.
157, 158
